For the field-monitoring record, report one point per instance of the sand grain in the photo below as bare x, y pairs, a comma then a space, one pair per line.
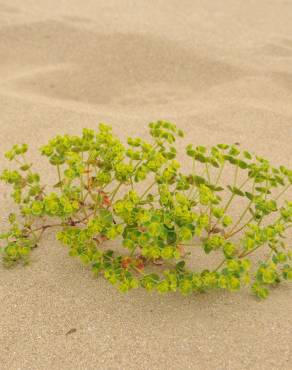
222, 70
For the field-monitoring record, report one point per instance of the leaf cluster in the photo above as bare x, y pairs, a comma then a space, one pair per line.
97, 197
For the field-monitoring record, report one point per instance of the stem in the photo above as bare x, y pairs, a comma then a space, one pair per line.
193, 186
265, 198
154, 147
219, 174
240, 218
139, 271
190, 245
59, 173
44, 227
82, 196
115, 191
131, 182
283, 191
220, 264
227, 205
210, 205
244, 254
230, 199
146, 191
241, 228
210, 220
244, 182
208, 172
269, 255
243, 214
133, 250
84, 219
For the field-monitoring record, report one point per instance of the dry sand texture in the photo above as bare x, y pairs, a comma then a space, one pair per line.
220, 69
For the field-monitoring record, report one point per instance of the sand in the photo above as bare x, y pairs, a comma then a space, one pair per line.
222, 70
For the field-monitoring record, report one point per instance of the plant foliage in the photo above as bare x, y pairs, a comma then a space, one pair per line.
97, 198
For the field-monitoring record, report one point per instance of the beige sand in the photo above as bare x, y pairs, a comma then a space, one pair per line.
222, 70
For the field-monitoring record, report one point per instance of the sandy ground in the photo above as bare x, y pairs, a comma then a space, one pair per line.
222, 70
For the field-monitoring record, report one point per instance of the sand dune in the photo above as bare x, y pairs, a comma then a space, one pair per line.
222, 70
95, 62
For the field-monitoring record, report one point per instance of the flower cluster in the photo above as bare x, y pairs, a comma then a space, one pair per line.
98, 197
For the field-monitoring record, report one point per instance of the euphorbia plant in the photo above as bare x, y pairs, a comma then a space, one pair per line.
137, 195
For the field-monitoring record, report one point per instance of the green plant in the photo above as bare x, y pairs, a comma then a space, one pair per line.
98, 197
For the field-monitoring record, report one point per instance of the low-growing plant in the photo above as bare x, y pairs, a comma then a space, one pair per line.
98, 198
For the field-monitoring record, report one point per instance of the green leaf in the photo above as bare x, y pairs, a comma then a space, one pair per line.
233, 284
226, 221
236, 190
243, 165
163, 286
247, 155
198, 180
167, 252
185, 233
186, 286
180, 266
25, 167
229, 250
12, 218
200, 157
155, 229
250, 196
260, 291
223, 146
269, 276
